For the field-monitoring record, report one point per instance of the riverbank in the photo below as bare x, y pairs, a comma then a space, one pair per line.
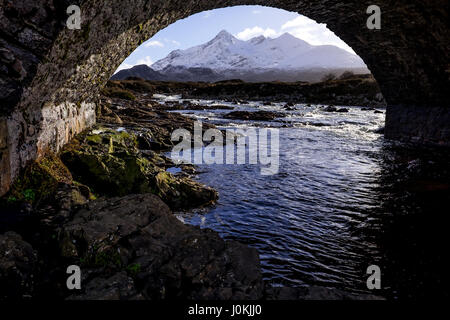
105, 204
354, 90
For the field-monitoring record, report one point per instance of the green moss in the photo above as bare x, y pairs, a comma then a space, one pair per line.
111, 146
11, 200
108, 258
109, 162
133, 269
95, 138
124, 139
39, 180
29, 195
164, 183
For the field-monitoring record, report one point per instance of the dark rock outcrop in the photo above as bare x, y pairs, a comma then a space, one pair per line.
18, 265
134, 247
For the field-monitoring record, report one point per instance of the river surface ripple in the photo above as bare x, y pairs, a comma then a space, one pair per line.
344, 199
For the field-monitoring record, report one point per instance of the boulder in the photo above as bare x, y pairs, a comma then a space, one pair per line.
138, 237
112, 164
18, 265
117, 287
330, 109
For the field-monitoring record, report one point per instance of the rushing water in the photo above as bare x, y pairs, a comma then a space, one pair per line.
344, 199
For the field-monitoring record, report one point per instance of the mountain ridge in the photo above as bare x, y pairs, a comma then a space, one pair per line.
226, 52
285, 58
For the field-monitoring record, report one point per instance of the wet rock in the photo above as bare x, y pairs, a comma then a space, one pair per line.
118, 287
66, 199
334, 109
258, 115
144, 141
379, 130
330, 109
18, 264
183, 193
139, 235
289, 104
151, 119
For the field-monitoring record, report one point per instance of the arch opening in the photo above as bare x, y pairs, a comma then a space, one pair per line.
222, 223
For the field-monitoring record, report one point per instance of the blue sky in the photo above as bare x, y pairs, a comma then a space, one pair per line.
244, 22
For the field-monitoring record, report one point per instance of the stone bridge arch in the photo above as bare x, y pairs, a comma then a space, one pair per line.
51, 76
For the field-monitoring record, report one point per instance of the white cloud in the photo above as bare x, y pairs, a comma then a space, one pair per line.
147, 60
154, 44
173, 42
313, 32
256, 11
302, 28
249, 33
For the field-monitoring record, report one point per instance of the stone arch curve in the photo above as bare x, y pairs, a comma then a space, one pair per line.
51, 76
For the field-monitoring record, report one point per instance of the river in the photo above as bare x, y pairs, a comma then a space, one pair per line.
344, 199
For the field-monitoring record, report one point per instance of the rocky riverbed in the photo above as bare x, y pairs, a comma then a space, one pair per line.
105, 203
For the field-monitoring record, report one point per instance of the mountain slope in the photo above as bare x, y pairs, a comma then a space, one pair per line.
260, 59
140, 71
225, 52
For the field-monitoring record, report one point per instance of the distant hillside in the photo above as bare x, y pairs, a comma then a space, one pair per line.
140, 71
181, 74
352, 90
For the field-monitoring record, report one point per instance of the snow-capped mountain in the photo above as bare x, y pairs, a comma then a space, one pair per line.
260, 59
226, 52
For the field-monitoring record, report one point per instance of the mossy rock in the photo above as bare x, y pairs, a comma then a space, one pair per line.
111, 164
183, 193
39, 181
110, 174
